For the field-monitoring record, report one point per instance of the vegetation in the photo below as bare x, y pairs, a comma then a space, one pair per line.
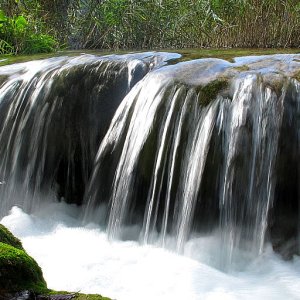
90, 297
34, 26
20, 272
210, 91
22, 30
7, 237
150, 24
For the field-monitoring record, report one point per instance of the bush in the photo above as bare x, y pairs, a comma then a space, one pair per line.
20, 35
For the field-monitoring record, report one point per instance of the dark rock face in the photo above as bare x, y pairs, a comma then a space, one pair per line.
284, 216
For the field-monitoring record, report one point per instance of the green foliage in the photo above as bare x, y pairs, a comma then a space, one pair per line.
33, 26
20, 34
184, 23
40, 43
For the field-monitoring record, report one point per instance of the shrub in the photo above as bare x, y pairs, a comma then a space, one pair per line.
20, 34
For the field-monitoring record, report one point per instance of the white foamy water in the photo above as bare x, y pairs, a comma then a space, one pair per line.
77, 258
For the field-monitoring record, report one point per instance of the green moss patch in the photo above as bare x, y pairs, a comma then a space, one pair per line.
243, 68
90, 297
7, 237
229, 53
210, 91
18, 271
296, 76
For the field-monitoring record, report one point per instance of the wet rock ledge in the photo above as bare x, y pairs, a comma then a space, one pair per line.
21, 278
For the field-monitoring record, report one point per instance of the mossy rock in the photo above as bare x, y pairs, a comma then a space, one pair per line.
243, 68
62, 295
90, 297
210, 91
296, 76
3, 78
18, 271
8, 238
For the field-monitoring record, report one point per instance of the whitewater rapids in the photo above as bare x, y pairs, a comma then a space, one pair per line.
81, 258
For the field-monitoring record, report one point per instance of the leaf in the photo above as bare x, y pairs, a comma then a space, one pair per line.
5, 47
3, 17
21, 23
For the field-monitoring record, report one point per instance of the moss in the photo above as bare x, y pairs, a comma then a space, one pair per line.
187, 54
3, 79
13, 59
90, 297
18, 271
276, 86
242, 68
50, 294
8, 238
296, 76
210, 91
229, 53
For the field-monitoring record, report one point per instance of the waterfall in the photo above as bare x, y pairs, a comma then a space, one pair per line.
177, 149
54, 113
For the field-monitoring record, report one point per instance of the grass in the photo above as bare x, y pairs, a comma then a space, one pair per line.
187, 54
229, 54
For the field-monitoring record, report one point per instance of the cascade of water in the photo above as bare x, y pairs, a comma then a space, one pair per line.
297, 99
192, 171
159, 146
155, 154
54, 113
251, 142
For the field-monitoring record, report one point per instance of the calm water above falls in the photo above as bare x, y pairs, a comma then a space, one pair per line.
200, 158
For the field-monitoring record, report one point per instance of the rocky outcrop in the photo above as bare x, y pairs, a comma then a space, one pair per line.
18, 271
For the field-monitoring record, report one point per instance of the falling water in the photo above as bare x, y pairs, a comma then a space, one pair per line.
159, 153
54, 112
158, 146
